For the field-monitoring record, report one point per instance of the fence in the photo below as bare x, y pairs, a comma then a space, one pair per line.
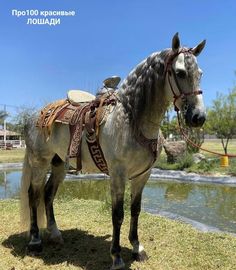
12, 144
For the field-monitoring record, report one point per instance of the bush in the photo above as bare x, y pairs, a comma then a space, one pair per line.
205, 165
163, 165
196, 136
232, 168
185, 162
232, 171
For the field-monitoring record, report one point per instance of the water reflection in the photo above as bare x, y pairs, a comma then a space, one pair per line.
176, 192
9, 184
85, 189
214, 205
211, 204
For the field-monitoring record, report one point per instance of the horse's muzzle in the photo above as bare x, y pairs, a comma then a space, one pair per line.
195, 118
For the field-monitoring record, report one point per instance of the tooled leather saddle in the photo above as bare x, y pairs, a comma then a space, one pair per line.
80, 117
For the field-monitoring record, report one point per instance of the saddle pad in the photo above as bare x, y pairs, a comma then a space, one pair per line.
76, 97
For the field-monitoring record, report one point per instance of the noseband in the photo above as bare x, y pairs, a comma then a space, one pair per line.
169, 70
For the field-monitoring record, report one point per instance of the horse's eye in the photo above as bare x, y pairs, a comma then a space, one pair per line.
181, 73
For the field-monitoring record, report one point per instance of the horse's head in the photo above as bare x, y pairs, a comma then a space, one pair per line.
183, 77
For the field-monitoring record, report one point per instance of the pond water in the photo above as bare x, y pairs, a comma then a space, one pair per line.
210, 204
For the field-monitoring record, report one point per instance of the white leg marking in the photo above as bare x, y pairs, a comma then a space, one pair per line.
35, 242
55, 234
137, 248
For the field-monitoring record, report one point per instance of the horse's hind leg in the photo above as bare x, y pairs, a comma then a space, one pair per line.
137, 186
38, 175
117, 195
56, 177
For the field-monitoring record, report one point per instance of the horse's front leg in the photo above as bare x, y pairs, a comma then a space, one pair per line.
117, 195
137, 186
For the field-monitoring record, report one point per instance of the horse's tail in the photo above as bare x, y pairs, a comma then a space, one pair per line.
24, 198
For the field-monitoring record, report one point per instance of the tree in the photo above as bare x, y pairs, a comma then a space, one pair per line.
22, 118
3, 115
221, 118
169, 125
195, 135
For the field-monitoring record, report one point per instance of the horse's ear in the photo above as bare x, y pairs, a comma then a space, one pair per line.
197, 50
175, 42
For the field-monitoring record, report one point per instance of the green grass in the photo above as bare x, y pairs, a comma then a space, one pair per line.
12, 156
215, 145
86, 229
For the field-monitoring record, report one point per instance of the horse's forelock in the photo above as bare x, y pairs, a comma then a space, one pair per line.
192, 69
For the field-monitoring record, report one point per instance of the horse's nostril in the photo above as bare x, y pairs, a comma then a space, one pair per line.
198, 119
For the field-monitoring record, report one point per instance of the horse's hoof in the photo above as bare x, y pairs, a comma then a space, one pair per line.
140, 257
35, 246
118, 264
58, 240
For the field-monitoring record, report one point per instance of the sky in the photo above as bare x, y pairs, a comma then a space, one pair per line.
39, 63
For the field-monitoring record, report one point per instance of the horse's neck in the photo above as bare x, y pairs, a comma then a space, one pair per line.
153, 114
145, 97
151, 120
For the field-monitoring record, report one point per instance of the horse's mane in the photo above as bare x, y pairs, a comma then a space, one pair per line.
138, 90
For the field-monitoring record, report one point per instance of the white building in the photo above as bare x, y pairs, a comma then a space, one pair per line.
10, 139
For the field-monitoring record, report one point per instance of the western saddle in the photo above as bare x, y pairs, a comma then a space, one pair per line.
83, 112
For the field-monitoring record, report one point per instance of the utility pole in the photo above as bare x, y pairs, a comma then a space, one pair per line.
5, 128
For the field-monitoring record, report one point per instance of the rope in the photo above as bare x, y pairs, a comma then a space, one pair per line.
198, 146
168, 71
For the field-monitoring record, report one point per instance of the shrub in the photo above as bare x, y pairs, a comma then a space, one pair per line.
232, 168
205, 166
185, 161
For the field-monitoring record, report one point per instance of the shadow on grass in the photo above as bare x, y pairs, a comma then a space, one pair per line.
79, 249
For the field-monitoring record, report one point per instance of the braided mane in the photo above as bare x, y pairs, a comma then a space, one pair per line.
138, 90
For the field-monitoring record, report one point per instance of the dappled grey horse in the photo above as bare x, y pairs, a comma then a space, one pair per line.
128, 139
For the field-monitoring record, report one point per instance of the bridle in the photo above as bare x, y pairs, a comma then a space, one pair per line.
151, 144
169, 71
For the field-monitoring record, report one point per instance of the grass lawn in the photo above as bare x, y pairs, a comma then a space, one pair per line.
12, 156
86, 228
215, 145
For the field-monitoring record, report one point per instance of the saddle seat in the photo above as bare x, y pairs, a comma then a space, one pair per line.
76, 97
